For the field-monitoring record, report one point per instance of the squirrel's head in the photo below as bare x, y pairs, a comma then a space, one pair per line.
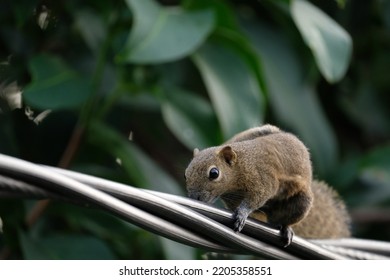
210, 173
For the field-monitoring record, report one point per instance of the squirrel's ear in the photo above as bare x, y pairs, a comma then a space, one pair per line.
196, 151
228, 155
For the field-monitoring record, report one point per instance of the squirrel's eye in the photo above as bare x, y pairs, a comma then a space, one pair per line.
213, 173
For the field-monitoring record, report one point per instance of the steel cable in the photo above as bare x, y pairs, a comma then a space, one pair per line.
61, 184
373, 246
181, 219
259, 231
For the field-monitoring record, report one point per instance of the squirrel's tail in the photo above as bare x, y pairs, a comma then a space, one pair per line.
328, 218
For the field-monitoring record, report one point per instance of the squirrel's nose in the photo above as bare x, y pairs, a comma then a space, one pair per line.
194, 195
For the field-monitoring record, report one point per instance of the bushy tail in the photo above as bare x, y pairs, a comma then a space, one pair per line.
328, 217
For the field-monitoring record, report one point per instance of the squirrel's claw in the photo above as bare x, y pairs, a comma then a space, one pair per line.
239, 217
287, 235
238, 225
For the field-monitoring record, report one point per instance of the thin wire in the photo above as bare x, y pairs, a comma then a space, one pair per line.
259, 231
34, 174
356, 254
11, 188
373, 246
184, 220
37, 175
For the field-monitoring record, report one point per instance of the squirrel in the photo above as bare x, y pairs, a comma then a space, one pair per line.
266, 173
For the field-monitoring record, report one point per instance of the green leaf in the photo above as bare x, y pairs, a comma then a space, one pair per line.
236, 39
330, 43
138, 166
32, 249
293, 100
229, 32
163, 34
91, 27
191, 119
232, 86
223, 11
54, 85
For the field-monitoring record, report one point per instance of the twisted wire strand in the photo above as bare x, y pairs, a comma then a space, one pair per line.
61, 184
181, 219
355, 254
255, 229
375, 247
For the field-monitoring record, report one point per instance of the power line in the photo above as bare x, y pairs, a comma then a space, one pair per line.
181, 219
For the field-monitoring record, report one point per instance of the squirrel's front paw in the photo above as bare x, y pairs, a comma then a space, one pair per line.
239, 217
287, 235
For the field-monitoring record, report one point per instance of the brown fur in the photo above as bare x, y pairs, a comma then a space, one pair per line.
328, 217
266, 173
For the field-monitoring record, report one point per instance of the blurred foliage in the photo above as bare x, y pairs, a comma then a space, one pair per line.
126, 89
